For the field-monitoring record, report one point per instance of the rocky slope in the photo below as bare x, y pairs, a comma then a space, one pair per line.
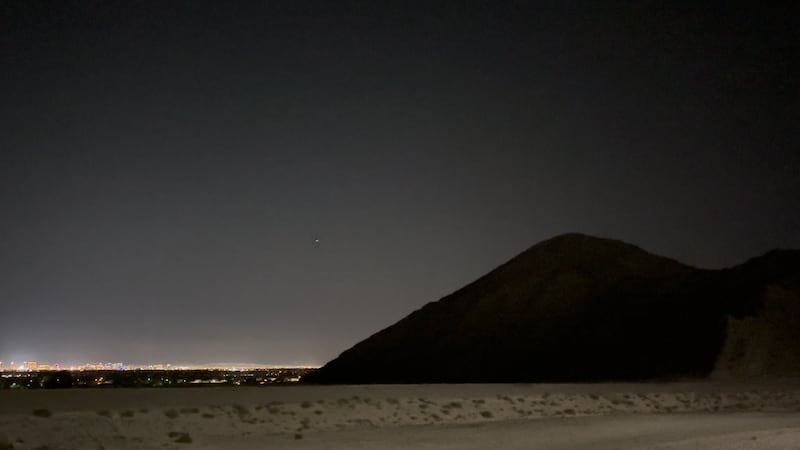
581, 308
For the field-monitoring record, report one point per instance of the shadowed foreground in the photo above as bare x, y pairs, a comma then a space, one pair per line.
679, 416
685, 431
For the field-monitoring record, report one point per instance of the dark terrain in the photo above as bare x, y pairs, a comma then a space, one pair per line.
577, 308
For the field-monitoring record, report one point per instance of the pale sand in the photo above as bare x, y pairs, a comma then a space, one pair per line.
603, 416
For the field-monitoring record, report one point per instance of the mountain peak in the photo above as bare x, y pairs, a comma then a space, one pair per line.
571, 308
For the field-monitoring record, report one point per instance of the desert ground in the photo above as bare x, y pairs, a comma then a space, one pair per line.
697, 415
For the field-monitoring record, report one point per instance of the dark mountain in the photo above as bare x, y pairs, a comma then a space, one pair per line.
572, 308
763, 332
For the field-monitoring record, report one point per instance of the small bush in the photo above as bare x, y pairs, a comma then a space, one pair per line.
207, 416
241, 410
190, 411
171, 413
128, 414
305, 404
298, 436
180, 437
487, 414
42, 412
104, 413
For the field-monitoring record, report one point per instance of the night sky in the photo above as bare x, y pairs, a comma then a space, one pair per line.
167, 167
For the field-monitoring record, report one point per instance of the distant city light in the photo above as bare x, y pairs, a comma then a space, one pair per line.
35, 366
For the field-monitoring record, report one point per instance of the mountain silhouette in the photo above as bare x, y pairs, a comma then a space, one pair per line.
580, 308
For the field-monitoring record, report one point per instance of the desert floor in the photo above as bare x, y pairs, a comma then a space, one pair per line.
547, 416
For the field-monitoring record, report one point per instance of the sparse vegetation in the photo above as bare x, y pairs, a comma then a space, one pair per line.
241, 411
127, 414
41, 412
180, 437
171, 413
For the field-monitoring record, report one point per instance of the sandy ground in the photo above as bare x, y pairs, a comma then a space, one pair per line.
602, 416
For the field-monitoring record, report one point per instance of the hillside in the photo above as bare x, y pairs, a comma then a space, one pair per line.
763, 338
572, 308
